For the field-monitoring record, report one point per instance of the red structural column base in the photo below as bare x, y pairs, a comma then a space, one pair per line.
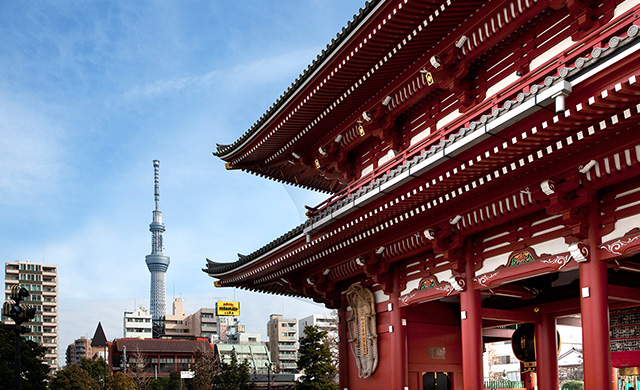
547, 353
343, 347
471, 328
399, 343
594, 307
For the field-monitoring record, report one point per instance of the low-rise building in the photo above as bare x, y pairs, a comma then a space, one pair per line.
138, 324
151, 357
257, 355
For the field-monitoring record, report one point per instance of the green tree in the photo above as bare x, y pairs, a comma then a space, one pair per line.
73, 377
98, 370
120, 381
314, 358
233, 375
173, 382
573, 385
34, 371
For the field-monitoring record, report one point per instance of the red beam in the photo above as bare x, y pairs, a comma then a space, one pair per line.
625, 294
514, 316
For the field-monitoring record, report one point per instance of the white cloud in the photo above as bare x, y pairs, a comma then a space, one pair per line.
160, 88
253, 74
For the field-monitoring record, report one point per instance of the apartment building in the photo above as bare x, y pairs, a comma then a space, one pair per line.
325, 322
205, 323
78, 350
283, 342
176, 324
138, 324
41, 280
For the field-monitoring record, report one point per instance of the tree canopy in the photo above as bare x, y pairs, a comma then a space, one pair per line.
73, 377
120, 381
233, 375
34, 371
314, 358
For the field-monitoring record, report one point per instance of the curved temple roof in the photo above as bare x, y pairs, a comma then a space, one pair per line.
580, 66
469, 133
225, 150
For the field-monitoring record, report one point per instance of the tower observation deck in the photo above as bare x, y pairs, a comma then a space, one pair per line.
157, 262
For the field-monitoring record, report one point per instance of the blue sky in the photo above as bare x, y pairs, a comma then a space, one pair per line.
91, 92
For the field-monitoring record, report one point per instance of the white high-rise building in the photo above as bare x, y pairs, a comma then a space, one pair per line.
41, 280
157, 262
138, 324
323, 322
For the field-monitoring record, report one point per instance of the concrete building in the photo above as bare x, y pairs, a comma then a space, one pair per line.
41, 280
257, 355
79, 349
205, 323
323, 322
283, 342
138, 324
84, 348
175, 325
202, 323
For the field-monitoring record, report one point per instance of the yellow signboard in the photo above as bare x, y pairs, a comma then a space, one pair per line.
228, 308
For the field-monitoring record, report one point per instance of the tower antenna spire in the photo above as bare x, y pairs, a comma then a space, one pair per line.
157, 261
156, 175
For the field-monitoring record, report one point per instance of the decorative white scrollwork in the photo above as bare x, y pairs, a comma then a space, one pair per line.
614, 247
482, 280
457, 283
562, 260
548, 187
579, 251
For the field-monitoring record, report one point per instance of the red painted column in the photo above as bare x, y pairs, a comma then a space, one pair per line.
399, 372
471, 326
547, 353
530, 379
343, 346
594, 306
614, 378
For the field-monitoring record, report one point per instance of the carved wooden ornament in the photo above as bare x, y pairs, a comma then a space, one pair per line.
362, 328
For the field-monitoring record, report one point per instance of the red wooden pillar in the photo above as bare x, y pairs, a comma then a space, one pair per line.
530, 379
343, 346
547, 353
471, 326
398, 341
594, 306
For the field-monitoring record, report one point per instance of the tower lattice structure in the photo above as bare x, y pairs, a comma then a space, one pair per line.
157, 262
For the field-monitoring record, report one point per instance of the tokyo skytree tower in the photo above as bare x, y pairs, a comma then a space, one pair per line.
157, 262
